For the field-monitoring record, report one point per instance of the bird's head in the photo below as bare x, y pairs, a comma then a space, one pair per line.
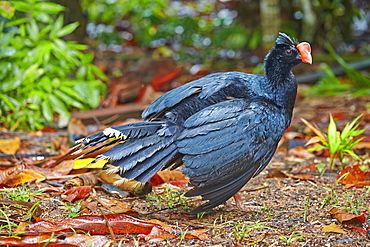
289, 52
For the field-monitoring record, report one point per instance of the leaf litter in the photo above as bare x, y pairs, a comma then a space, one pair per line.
291, 202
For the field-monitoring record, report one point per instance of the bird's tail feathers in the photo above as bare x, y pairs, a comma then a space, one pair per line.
139, 150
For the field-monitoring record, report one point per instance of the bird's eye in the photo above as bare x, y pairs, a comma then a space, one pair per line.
288, 52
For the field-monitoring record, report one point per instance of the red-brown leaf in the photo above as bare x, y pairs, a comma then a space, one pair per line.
77, 193
354, 176
352, 222
96, 224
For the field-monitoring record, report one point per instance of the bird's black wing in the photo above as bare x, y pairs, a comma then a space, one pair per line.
226, 144
203, 87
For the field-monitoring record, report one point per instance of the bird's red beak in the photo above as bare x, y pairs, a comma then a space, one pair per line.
304, 49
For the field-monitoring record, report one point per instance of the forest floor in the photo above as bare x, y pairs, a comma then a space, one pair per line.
290, 203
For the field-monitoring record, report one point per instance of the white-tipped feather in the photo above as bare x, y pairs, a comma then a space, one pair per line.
110, 132
82, 140
113, 170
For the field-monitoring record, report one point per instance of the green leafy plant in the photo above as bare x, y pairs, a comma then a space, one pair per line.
242, 231
332, 199
291, 238
42, 74
6, 223
73, 210
21, 193
320, 168
338, 143
354, 204
169, 198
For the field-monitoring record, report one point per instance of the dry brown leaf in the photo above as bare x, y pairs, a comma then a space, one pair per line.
115, 206
162, 224
343, 216
197, 234
353, 176
351, 222
20, 175
10, 146
63, 168
333, 228
299, 152
316, 130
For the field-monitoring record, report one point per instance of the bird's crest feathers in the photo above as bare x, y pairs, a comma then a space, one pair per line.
284, 39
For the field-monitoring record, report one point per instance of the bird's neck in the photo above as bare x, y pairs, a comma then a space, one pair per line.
282, 87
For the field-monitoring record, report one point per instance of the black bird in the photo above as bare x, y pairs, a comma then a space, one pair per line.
224, 128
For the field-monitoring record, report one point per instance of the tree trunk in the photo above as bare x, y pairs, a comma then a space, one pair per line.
73, 12
270, 21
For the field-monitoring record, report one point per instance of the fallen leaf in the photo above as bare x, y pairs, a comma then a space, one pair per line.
10, 146
315, 129
116, 206
77, 193
19, 175
37, 211
95, 224
313, 140
63, 168
362, 145
197, 234
162, 224
276, 173
158, 234
86, 240
342, 216
74, 240
299, 152
174, 177
333, 228
311, 168
351, 222
10, 173
353, 176
40, 239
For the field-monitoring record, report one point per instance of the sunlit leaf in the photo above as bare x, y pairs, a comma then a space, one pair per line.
6, 9
47, 112
48, 7
68, 29
10, 146
333, 228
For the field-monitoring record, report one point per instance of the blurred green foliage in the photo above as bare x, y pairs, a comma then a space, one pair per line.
42, 73
192, 31
331, 85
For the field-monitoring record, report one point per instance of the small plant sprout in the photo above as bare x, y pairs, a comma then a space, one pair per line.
338, 143
291, 238
332, 199
73, 210
171, 198
242, 230
200, 215
21, 193
306, 209
320, 168
354, 204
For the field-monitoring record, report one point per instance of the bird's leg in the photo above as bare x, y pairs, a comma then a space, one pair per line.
239, 201
239, 205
